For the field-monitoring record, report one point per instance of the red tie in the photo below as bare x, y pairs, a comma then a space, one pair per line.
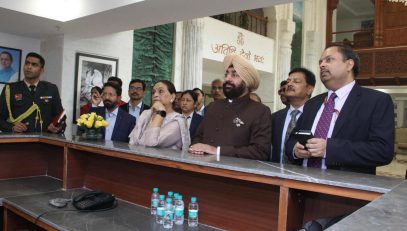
323, 127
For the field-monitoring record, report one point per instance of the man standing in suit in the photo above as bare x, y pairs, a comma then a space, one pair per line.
30, 105
299, 87
200, 106
353, 126
120, 122
189, 100
236, 126
136, 93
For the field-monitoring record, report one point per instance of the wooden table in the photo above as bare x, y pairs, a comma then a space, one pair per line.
233, 193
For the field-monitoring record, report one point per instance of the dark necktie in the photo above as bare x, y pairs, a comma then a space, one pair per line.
32, 89
291, 126
323, 127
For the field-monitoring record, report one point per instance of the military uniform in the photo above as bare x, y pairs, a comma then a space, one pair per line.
46, 96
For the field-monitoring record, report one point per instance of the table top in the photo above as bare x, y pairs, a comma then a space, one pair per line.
28, 186
125, 217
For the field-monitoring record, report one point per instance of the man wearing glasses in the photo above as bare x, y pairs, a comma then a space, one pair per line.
136, 93
120, 122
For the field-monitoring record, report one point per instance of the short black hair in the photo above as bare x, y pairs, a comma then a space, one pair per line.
117, 88
198, 89
9, 55
38, 56
309, 76
116, 80
138, 81
348, 53
192, 94
97, 89
283, 83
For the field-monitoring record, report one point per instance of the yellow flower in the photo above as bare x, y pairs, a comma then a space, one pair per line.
105, 123
98, 124
89, 124
91, 120
84, 116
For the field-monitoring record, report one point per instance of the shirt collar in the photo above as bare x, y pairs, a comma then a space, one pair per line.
190, 115
343, 91
113, 112
29, 84
292, 109
138, 105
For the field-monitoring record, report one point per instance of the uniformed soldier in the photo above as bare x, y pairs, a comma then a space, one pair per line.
30, 105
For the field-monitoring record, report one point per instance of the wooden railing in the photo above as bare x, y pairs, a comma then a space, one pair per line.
246, 20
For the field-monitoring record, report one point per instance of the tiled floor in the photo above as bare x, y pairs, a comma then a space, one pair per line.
397, 168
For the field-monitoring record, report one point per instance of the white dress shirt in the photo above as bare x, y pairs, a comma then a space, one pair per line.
111, 119
342, 95
286, 122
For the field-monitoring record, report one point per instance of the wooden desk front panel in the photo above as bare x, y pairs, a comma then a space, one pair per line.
30, 159
225, 203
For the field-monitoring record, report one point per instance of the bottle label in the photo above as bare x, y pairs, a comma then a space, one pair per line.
160, 211
179, 212
193, 213
154, 203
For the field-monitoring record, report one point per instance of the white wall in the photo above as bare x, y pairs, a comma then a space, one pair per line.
118, 45
59, 53
18, 42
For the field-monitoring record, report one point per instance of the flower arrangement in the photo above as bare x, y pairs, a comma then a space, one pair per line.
91, 120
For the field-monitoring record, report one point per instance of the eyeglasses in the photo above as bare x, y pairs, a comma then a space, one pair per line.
108, 94
135, 88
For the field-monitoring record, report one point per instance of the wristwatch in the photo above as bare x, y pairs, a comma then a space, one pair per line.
162, 113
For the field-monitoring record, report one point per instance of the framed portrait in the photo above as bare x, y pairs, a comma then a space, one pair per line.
10, 65
90, 71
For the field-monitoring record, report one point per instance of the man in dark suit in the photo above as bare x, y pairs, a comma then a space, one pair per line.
236, 126
353, 126
188, 102
298, 90
136, 93
120, 122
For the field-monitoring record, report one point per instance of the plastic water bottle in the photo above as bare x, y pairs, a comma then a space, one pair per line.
179, 211
160, 210
175, 198
193, 213
169, 214
154, 201
170, 195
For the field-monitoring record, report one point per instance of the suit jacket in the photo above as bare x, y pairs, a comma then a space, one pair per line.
125, 107
241, 128
196, 120
123, 126
46, 96
363, 136
277, 127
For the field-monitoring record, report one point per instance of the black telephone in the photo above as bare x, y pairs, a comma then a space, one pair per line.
94, 200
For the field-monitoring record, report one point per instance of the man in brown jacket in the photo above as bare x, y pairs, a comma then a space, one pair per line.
236, 126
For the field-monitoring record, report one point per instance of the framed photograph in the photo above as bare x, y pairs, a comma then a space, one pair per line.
10, 65
90, 71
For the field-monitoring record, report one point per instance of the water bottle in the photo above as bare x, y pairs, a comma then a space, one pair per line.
175, 198
193, 213
160, 210
179, 211
169, 214
170, 195
154, 201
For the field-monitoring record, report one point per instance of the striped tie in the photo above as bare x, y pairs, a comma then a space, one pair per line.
323, 127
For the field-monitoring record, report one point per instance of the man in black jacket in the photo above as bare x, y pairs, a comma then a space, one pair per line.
30, 105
